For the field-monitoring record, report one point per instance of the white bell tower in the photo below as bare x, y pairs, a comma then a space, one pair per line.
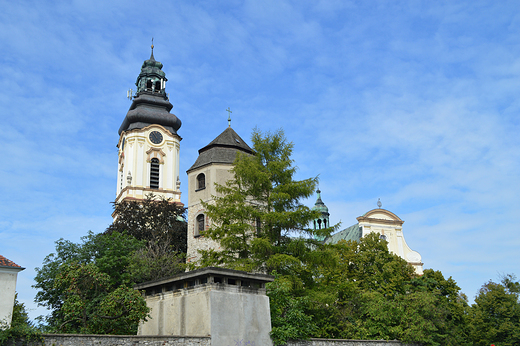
148, 141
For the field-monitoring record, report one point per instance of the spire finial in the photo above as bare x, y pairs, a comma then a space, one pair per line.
379, 204
229, 116
151, 56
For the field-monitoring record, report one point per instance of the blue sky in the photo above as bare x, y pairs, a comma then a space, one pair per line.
413, 102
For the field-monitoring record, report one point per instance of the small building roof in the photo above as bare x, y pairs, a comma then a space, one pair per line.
7, 263
222, 149
208, 271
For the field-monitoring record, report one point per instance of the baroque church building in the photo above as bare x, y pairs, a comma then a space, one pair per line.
380, 221
149, 149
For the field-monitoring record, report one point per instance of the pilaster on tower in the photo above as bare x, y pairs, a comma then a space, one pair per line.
149, 145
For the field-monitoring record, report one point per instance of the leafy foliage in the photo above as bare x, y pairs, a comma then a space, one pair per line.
358, 290
154, 220
255, 213
154, 261
21, 327
90, 307
109, 253
289, 318
88, 285
495, 316
347, 290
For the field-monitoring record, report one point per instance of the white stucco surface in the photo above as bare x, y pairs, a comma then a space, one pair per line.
8, 278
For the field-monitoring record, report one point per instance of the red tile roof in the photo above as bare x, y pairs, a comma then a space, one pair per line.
4, 262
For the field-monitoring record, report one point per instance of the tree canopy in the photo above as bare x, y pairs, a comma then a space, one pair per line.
352, 290
88, 286
153, 219
257, 212
495, 316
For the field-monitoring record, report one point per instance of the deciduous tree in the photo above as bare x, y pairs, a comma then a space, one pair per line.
152, 219
495, 316
109, 254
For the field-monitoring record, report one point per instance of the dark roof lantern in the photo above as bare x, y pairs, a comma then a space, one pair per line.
150, 104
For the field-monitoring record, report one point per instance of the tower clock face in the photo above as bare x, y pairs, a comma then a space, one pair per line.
155, 137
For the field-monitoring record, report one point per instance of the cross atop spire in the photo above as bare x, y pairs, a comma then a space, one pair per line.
229, 116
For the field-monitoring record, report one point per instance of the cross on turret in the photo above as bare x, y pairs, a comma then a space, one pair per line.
229, 116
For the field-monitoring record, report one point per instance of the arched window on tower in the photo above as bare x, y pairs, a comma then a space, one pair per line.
199, 225
201, 181
157, 86
154, 173
149, 84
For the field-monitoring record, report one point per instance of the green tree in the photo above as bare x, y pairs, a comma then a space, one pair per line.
290, 320
91, 307
256, 213
111, 254
495, 315
154, 261
352, 290
450, 304
155, 220
354, 275
359, 290
21, 327
147, 241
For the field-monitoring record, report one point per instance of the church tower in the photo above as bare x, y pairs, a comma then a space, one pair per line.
148, 140
212, 166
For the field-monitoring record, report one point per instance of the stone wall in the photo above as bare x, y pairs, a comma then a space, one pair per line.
146, 340
119, 340
341, 342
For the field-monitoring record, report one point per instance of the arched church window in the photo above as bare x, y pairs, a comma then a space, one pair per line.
158, 86
154, 173
199, 227
201, 181
324, 223
149, 84
319, 223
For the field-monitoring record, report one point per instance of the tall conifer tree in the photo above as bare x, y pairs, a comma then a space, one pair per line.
256, 211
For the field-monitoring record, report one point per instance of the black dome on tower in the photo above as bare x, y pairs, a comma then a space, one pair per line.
150, 104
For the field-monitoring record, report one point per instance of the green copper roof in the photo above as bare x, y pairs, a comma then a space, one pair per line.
319, 205
351, 233
150, 70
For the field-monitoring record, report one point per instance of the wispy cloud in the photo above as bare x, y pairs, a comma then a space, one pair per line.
412, 102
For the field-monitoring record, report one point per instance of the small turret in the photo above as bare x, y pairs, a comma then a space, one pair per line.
323, 221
